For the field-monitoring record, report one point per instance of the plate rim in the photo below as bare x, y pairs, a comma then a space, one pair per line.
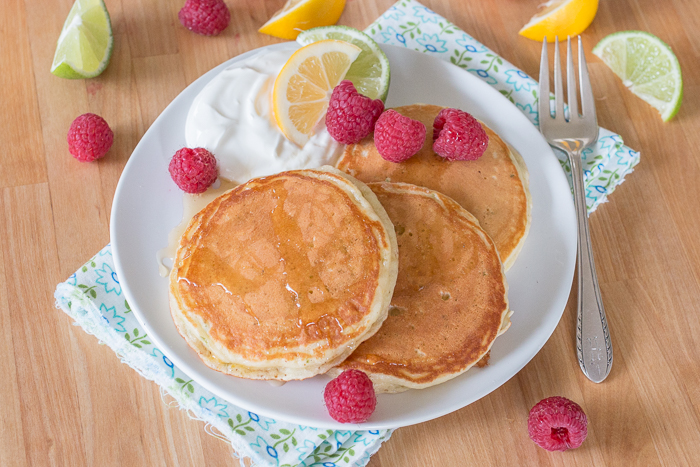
260, 408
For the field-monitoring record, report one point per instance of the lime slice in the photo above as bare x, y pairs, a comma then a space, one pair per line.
85, 44
370, 73
647, 67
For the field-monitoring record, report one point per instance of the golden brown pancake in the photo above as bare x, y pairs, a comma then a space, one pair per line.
284, 276
494, 188
450, 300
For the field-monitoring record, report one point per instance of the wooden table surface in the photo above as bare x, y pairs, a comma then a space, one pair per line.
68, 401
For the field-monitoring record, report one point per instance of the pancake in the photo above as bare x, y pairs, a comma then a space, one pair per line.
284, 276
493, 188
450, 300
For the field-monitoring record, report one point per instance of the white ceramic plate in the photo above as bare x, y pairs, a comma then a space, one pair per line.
147, 205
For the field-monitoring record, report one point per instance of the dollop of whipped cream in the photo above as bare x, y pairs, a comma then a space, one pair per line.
232, 118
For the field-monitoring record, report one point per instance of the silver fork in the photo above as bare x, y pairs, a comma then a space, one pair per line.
593, 346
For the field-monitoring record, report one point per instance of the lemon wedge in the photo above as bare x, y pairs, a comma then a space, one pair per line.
305, 84
560, 18
300, 15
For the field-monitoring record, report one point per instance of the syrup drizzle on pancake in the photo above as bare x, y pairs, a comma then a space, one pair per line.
301, 276
211, 270
305, 270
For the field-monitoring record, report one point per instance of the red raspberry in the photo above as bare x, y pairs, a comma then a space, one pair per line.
458, 136
557, 424
351, 116
193, 170
350, 397
89, 137
396, 137
205, 17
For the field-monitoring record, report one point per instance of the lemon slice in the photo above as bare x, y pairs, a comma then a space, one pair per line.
647, 66
300, 15
85, 44
560, 18
370, 73
304, 86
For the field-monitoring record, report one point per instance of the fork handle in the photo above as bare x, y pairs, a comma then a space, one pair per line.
593, 346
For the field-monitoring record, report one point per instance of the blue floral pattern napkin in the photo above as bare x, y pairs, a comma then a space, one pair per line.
409, 24
93, 298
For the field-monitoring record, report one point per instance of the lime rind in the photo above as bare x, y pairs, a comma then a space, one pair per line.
370, 73
86, 33
647, 66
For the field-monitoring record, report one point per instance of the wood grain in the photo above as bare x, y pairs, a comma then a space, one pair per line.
22, 163
12, 439
69, 401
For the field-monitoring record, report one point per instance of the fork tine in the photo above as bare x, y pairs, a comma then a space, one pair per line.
587, 101
543, 101
558, 88
571, 97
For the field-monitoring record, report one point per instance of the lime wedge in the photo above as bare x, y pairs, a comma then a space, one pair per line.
647, 67
370, 73
85, 44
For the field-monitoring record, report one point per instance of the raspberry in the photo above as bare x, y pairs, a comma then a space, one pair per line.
351, 116
457, 136
396, 137
89, 137
557, 424
350, 397
193, 170
205, 17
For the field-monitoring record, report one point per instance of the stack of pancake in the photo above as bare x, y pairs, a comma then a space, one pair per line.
295, 274
493, 188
